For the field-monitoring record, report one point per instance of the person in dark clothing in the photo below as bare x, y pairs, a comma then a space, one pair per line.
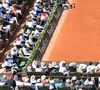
11, 82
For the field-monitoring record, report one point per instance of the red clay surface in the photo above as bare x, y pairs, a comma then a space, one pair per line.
79, 36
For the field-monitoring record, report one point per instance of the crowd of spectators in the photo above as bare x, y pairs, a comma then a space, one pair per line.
26, 41
11, 12
64, 67
74, 82
34, 27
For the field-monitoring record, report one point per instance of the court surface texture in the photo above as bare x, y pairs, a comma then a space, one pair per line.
77, 35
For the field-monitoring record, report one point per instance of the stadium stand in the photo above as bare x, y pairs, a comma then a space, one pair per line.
26, 41
54, 76
11, 12
39, 75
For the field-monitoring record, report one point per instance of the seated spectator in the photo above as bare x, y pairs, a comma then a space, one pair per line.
27, 33
63, 69
8, 64
90, 68
31, 42
97, 68
38, 32
52, 67
43, 79
82, 68
4, 80
6, 27
25, 51
74, 83
68, 83
14, 52
54, 64
72, 67
46, 8
9, 57
38, 68
11, 82
31, 24
6, 4
58, 84
11, 18
43, 18
88, 81
20, 40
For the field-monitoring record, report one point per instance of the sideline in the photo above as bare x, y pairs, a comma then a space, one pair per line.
55, 35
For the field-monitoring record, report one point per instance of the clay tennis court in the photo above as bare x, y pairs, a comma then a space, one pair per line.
77, 36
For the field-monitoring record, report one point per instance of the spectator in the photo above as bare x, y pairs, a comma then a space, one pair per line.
63, 69
11, 82
72, 66
4, 80
38, 68
90, 68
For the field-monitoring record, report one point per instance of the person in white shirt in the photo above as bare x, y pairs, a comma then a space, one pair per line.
26, 51
97, 68
82, 68
37, 33
31, 23
90, 68
38, 68
89, 81
5, 4
8, 63
14, 52
63, 69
